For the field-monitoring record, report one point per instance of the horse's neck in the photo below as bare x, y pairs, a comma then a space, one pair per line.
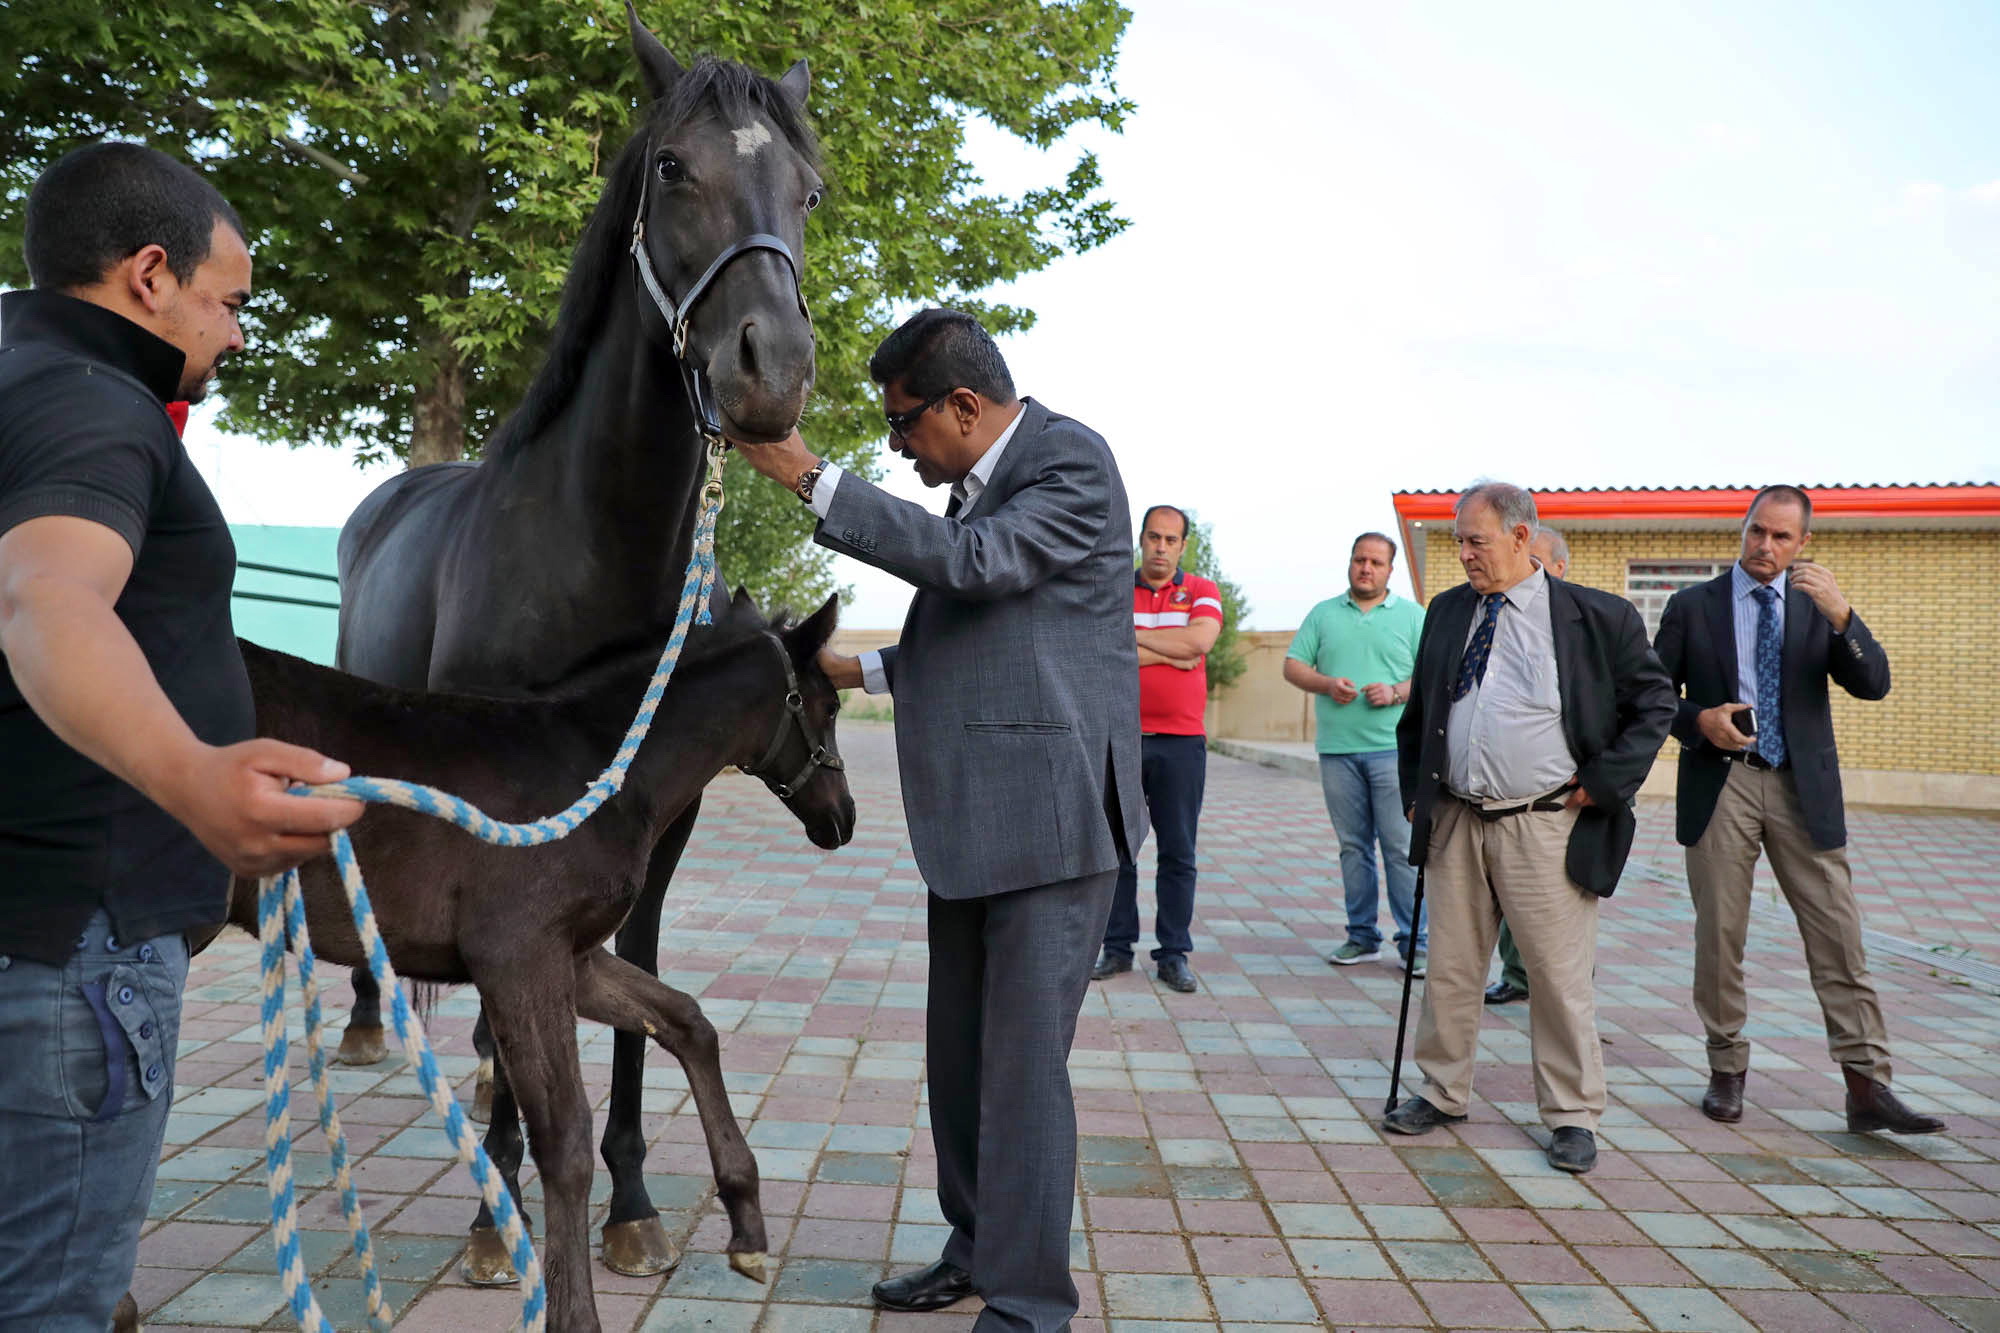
697, 732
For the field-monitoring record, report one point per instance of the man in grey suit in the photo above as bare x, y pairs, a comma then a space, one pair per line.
1017, 723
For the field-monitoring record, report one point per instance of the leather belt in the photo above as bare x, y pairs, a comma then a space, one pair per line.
1751, 759
1492, 814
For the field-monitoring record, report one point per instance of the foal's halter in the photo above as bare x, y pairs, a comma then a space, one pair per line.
794, 719
701, 395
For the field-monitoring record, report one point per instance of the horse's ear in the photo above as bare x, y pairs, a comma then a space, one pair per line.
742, 607
656, 63
796, 82
806, 639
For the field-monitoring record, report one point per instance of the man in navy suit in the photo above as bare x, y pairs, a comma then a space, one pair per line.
1753, 650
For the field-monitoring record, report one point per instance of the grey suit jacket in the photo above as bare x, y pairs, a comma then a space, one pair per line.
1016, 681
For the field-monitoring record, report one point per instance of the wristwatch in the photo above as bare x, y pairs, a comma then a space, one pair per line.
809, 479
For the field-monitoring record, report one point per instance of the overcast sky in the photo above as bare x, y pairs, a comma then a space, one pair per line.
1381, 247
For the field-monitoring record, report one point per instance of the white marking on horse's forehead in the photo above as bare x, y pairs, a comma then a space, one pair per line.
750, 138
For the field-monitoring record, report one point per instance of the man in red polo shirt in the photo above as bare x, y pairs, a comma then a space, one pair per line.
1176, 617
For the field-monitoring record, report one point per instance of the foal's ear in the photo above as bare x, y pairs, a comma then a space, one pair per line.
796, 82
743, 608
656, 63
804, 640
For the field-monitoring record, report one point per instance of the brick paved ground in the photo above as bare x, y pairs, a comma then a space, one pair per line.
1231, 1178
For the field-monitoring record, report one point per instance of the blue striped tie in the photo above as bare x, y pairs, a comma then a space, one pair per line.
1770, 703
1473, 668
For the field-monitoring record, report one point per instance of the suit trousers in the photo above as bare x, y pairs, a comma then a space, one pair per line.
1759, 809
1476, 870
1007, 979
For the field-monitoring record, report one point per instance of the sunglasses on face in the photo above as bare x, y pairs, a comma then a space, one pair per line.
902, 423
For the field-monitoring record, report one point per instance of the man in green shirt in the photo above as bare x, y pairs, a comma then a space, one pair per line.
1355, 652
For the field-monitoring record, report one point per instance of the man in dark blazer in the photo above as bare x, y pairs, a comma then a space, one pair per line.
1017, 725
1535, 712
1754, 650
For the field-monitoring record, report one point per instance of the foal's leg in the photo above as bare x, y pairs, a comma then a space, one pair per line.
363, 1042
487, 1262
613, 992
634, 1241
534, 1024
482, 1088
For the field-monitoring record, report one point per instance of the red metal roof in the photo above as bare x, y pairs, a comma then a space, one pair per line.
1956, 499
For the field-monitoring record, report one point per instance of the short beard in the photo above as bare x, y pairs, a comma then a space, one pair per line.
195, 387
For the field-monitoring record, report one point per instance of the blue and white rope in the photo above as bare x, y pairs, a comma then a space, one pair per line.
281, 913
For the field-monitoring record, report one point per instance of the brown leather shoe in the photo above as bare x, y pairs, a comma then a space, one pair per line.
1871, 1106
1724, 1099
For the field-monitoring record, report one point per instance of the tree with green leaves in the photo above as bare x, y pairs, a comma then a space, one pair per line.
1226, 662
415, 178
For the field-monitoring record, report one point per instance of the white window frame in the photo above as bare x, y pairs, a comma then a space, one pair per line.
1649, 583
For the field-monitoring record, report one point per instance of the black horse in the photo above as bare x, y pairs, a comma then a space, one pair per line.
526, 925
506, 577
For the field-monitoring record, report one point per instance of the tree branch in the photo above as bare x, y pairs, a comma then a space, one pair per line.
327, 160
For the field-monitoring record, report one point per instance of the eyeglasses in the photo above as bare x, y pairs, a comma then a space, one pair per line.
902, 423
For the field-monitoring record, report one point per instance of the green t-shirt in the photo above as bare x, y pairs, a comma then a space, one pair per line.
1340, 639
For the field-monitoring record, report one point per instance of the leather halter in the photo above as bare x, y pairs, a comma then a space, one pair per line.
794, 719
701, 395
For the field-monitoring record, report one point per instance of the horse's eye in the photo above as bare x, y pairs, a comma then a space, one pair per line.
813, 200
670, 168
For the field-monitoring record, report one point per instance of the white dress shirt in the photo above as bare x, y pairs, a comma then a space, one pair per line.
1504, 740
874, 680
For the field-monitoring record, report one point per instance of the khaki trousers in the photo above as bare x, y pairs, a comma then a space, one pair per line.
1759, 810
1474, 872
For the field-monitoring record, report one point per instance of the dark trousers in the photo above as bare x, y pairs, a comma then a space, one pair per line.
1173, 772
1007, 979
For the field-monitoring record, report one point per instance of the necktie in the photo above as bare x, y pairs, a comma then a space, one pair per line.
1473, 668
1770, 704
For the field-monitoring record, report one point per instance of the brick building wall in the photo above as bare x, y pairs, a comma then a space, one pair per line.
1918, 593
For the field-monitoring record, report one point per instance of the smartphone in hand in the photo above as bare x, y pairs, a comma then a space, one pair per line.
1745, 721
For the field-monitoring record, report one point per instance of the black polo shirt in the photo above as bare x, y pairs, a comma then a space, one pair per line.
84, 432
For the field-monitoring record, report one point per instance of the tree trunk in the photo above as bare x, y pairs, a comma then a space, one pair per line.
437, 430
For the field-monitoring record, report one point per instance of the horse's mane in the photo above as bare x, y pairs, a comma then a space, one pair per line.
722, 86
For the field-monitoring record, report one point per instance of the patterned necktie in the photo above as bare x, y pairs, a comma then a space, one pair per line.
1770, 704
1473, 668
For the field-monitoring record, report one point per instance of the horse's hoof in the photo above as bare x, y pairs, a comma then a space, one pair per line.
639, 1248
362, 1046
750, 1265
487, 1263
482, 1102
125, 1316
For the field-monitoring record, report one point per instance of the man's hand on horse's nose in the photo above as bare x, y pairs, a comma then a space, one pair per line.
781, 462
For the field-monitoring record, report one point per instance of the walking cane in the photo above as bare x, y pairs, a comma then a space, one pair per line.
1409, 975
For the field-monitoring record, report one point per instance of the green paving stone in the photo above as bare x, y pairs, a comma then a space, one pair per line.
344, 1301
1470, 1191
1443, 1261
319, 1250
1685, 1308
234, 1203
787, 1134
212, 1164
1106, 1178
1452, 1161
1866, 1145
1209, 1182
708, 1277
1982, 1316
170, 1196
1769, 1233
1115, 1149
679, 1194
1155, 1296
1261, 1299
1828, 1272
826, 1281
1836, 1171
816, 1319
1317, 1219
884, 1139
1757, 1169
860, 1168
1680, 1229
1730, 1268
1580, 1307
407, 1258
240, 1299
1341, 1258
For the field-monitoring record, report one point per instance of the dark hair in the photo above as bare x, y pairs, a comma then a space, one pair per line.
1187, 524
938, 350
104, 202
1382, 537
1791, 494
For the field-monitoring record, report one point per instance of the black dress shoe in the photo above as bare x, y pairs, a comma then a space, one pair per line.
930, 1288
1110, 964
1175, 974
1573, 1149
1417, 1116
1871, 1106
1724, 1099
1505, 992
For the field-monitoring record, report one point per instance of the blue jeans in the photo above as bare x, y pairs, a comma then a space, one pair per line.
87, 1051
1365, 803
1173, 773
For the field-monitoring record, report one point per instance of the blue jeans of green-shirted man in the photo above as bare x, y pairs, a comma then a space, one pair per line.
86, 1079
1366, 806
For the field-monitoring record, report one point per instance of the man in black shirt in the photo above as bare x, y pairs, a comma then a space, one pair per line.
129, 785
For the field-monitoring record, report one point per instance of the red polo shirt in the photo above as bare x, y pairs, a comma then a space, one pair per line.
1171, 700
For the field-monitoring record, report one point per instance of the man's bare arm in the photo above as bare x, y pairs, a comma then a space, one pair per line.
1192, 639
1147, 657
81, 671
